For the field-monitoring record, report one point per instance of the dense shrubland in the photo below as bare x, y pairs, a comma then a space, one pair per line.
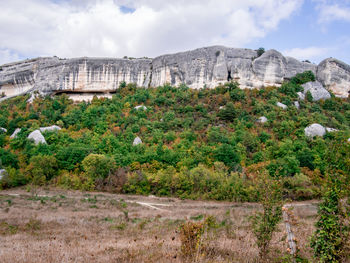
196, 143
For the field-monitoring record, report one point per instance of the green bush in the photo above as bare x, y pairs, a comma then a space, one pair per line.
13, 178
42, 168
8, 158
98, 165
331, 235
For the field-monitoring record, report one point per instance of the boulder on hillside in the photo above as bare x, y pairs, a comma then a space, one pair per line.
137, 141
14, 134
262, 119
50, 128
315, 129
281, 105
301, 95
297, 105
328, 129
143, 107
3, 173
349, 140
37, 137
2, 130
318, 92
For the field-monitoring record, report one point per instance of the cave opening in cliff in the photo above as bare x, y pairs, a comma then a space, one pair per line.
229, 78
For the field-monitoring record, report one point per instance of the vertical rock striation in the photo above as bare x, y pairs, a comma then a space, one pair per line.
203, 67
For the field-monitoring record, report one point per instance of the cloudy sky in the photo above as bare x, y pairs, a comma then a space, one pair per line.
305, 29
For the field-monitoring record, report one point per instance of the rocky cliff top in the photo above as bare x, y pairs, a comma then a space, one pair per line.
203, 67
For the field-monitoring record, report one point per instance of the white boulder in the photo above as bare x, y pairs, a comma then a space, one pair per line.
262, 119
37, 137
137, 141
14, 134
331, 129
297, 105
281, 105
2, 130
3, 173
301, 95
315, 129
50, 128
318, 92
143, 107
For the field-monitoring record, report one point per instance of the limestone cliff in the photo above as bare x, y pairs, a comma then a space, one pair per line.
203, 67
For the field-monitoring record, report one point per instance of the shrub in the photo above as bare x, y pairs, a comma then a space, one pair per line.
228, 113
8, 158
98, 165
331, 235
13, 178
260, 51
302, 78
228, 154
191, 239
42, 168
265, 223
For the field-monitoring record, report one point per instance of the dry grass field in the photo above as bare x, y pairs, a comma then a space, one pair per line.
66, 226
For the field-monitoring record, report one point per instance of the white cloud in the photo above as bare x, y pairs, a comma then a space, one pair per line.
308, 53
331, 11
100, 28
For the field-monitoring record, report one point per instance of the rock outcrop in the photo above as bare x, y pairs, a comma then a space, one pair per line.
328, 129
281, 105
50, 128
318, 92
3, 173
335, 76
142, 107
14, 134
297, 105
137, 141
262, 119
37, 137
203, 67
3, 130
315, 129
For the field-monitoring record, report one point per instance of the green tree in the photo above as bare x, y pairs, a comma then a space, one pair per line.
330, 237
269, 194
42, 168
98, 165
260, 51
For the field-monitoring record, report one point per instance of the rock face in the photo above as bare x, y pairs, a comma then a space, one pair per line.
137, 141
318, 92
315, 129
203, 67
335, 76
37, 137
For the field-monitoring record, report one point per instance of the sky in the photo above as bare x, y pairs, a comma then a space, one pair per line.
305, 29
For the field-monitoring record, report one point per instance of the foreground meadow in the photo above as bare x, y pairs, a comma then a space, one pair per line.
50, 225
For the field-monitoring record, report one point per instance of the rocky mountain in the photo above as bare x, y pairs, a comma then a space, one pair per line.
198, 68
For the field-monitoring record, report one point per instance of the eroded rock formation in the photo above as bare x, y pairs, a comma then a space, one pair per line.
203, 67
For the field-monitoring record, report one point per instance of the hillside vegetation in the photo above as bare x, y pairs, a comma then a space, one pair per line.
203, 143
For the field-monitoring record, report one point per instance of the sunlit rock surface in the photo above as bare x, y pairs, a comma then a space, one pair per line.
82, 78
